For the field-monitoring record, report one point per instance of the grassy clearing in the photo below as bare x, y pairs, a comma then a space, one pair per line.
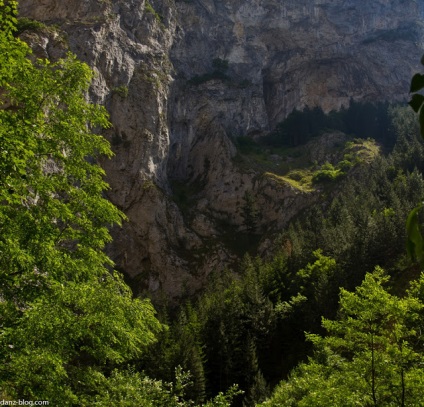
302, 183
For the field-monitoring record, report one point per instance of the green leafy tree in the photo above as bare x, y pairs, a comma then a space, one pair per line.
66, 320
136, 389
417, 99
415, 241
370, 356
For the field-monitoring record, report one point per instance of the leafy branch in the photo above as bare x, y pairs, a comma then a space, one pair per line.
415, 241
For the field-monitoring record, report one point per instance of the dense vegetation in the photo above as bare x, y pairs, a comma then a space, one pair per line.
72, 333
372, 355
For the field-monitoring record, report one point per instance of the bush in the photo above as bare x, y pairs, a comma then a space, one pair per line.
327, 173
122, 91
27, 24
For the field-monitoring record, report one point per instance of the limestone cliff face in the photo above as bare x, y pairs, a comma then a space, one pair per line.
175, 112
319, 52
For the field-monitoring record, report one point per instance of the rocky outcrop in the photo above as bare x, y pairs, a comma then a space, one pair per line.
183, 79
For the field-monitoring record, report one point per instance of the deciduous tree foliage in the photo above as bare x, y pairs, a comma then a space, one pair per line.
66, 320
415, 241
371, 356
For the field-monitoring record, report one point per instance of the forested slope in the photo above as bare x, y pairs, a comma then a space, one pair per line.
249, 326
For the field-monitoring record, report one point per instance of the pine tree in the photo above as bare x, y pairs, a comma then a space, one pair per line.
249, 212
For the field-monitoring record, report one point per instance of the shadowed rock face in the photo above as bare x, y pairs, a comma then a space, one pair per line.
175, 111
300, 53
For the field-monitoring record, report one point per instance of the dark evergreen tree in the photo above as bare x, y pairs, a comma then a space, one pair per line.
249, 212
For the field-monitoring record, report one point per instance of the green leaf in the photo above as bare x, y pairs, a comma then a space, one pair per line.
417, 83
416, 102
422, 123
67, 315
414, 244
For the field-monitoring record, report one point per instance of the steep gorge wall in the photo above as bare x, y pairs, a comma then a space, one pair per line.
173, 136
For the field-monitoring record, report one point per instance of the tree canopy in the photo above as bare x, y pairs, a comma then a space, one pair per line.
371, 356
66, 319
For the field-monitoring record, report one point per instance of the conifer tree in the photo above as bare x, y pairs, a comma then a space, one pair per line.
249, 212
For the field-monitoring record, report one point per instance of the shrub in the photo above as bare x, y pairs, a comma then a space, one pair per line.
327, 173
28, 24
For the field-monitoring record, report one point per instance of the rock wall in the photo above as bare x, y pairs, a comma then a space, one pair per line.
175, 111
